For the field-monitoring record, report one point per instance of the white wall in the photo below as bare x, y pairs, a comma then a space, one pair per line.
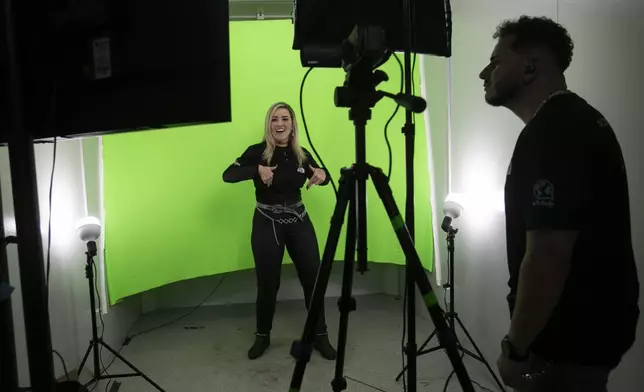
605, 70
67, 257
69, 297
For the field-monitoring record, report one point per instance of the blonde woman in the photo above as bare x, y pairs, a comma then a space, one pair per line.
279, 168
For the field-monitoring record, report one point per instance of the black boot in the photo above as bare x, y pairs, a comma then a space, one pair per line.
323, 346
259, 347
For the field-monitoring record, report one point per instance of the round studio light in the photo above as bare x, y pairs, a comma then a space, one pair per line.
89, 229
452, 208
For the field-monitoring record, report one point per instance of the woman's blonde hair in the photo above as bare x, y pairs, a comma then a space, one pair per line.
270, 140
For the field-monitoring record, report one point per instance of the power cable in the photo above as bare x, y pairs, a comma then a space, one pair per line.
128, 339
51, 123
402, 76
63, 362
51, 192
365, 384
306, 130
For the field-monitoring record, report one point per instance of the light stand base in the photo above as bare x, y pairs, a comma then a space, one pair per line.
97, 342
453, 319
477, 356
94, 345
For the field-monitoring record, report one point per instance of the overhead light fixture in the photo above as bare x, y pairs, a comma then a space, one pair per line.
452, 210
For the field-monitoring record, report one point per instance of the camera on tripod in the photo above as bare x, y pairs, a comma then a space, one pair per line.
359, 36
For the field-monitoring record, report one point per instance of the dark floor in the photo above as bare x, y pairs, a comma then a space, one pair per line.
206, 351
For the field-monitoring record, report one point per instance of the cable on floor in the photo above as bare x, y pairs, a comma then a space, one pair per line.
365, 384
128, 339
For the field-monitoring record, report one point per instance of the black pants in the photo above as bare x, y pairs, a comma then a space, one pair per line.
269, 239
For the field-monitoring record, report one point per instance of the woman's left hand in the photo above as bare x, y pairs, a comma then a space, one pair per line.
318, 177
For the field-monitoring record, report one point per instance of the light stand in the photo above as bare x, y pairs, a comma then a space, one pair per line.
411, 348
360, 95
88, 231
452, 211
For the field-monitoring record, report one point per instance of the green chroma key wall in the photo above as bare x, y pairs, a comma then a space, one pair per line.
170, 217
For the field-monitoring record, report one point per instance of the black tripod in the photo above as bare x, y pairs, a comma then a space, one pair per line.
452, 316
359, 93
96, 341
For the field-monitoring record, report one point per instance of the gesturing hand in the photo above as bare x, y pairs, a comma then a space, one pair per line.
266, 174
318, 177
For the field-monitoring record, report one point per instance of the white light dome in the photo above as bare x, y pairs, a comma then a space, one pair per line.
89, 229
452, 208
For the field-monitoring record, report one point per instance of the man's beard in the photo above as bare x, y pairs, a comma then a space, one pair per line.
501, 97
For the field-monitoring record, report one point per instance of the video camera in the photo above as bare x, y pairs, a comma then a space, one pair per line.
359, 36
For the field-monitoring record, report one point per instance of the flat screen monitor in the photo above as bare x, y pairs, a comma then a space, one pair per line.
325, 23
91, 67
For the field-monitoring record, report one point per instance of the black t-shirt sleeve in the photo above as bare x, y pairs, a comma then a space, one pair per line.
245, 167
311, 161
557, 187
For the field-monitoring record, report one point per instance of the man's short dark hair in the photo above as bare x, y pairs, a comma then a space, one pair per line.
539, 31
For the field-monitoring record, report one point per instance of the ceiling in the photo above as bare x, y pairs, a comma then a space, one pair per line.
258, 9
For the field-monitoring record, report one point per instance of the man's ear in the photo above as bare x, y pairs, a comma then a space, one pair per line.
531, 69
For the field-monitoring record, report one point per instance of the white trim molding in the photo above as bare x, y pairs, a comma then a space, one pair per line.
432, 181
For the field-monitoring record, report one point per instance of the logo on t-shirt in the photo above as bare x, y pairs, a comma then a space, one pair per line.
544, 194
300, 170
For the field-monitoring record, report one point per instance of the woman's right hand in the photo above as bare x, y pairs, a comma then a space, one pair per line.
266, 174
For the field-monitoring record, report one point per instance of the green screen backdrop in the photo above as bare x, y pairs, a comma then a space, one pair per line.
170, 217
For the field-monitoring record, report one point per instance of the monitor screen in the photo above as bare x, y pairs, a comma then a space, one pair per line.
329, 22
105, 66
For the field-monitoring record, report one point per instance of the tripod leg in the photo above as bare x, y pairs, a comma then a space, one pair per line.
140, 373
346, 303
426, 342
445, 335
420, 352
302, 349
411, 348
482, 358
89, 350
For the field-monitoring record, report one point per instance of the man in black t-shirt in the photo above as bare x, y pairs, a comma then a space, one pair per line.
573, 281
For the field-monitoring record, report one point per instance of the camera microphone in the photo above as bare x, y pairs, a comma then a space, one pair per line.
413, 103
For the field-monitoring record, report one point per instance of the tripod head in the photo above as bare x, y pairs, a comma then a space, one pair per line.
363, 52
359, 92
